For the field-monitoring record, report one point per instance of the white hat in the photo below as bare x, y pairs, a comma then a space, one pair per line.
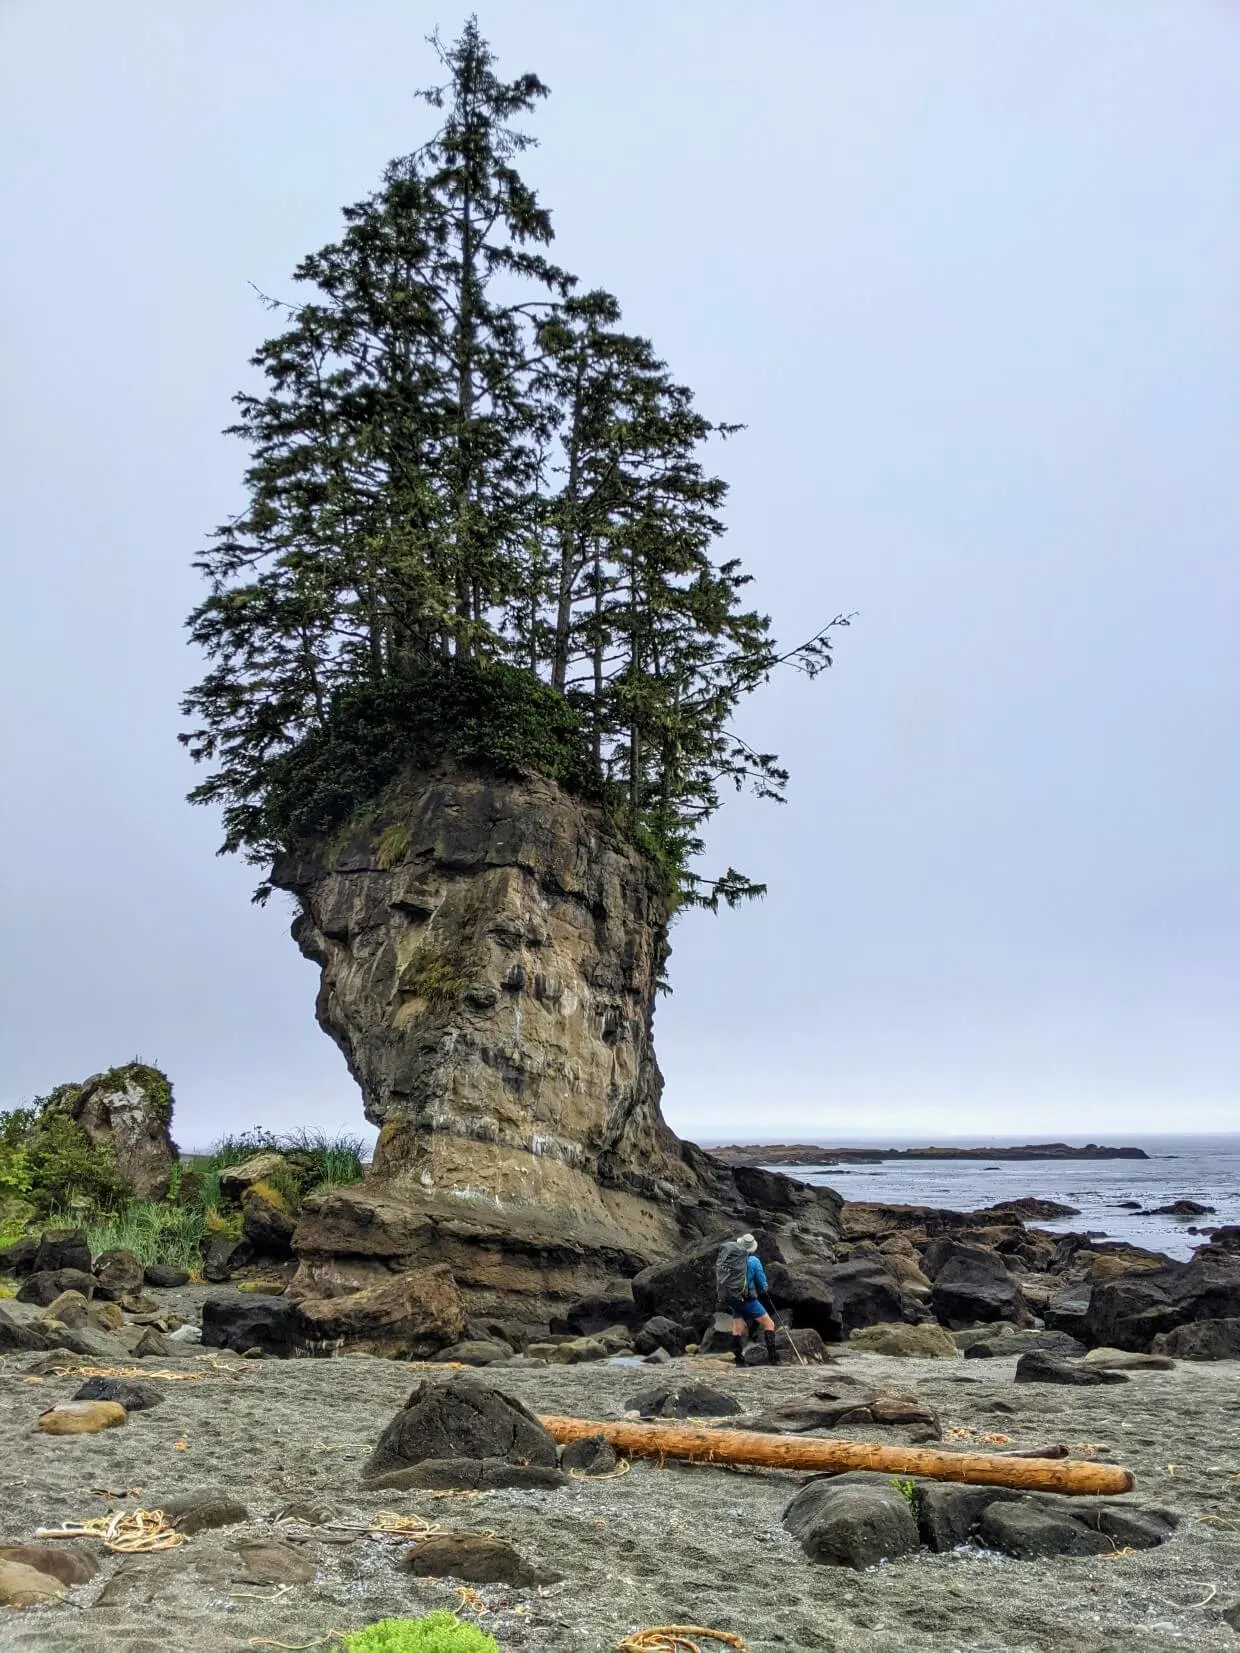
747, 1241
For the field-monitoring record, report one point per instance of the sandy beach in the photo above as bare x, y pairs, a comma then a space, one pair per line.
658, 1545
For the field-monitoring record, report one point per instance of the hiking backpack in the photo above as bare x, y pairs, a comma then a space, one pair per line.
731, 1274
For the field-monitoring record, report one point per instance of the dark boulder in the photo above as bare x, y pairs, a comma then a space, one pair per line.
682, 1288
1025, 1530
134, 1397
223, 1256
267, 1225
469, 1475
595, 1314
46, 1285
1039, 1367
1202, 1340
117, 1272
61, 1248
202, 1510
19, 1257
863, 1293
972, 1285
661, 1333
1068, 1310
852, 1524
690, 1400
1129, 1312
163, 1274
463, 1418
480, 1558
948, 1513
271, 1324
806, 1296
592, 1455
1181, 1208
1208, 1288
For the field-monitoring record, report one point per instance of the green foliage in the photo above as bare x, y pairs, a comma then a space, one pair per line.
65, 1168
155, 1231
480, 530
438, 976
332, 1160
907, 1488
440, 1632
495, 716
393, 845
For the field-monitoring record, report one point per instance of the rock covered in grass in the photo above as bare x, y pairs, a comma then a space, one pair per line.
237, 1180
475, 1352
268, 1220
463, 1418
69, 1309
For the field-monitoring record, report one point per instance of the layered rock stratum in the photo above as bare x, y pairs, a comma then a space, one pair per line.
490, 952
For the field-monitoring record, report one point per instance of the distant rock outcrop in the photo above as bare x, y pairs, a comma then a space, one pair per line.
130, 1110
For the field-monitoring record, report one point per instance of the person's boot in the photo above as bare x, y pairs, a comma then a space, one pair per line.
772, 1353
738, 1350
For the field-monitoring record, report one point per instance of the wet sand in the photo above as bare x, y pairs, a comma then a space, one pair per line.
659, 1545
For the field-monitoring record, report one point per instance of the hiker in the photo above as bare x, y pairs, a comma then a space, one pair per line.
739, 1277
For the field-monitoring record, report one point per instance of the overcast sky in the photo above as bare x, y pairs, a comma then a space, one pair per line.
968, 271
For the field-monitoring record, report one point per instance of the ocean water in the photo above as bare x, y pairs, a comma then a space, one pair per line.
1201, 1168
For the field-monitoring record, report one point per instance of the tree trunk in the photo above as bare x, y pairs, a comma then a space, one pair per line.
738, 1446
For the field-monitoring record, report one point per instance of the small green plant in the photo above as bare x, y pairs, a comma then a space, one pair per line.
437, 976
906, 1487
440, 1632
156, 1232
393, 845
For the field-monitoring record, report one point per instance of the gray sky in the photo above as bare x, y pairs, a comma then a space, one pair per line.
969, 273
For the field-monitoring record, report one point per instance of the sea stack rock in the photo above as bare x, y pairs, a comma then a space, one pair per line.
490, 951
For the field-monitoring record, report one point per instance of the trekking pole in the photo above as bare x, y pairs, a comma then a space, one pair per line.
788, 1331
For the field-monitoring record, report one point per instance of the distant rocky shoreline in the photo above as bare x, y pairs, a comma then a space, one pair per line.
782, 1153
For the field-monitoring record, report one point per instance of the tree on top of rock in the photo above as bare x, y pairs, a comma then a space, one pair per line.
479, 526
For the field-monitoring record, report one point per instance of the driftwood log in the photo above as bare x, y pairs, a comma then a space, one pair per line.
738, 1446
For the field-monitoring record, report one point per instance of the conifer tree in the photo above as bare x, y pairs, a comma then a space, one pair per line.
478, 526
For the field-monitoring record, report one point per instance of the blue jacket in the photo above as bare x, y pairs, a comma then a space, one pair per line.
755, 1278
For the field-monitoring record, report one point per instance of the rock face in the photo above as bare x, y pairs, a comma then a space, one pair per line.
490, 953
130, 1110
